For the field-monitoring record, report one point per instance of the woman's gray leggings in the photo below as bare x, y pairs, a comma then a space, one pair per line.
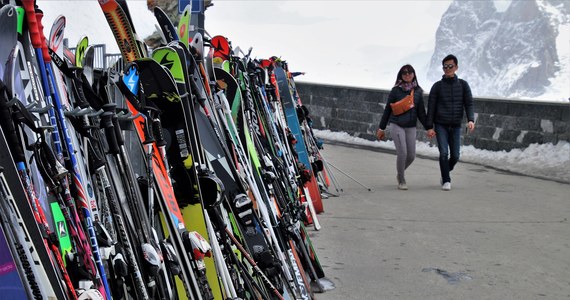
405, 142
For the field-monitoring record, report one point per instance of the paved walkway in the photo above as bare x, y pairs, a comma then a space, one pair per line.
495, 235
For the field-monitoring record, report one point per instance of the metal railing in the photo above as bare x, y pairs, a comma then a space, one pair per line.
102, 59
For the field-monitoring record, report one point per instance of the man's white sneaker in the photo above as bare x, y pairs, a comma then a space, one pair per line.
402, 186
446, 186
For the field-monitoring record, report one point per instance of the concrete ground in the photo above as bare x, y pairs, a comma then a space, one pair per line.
495, 235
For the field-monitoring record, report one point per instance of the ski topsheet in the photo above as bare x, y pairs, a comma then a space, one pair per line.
290, 110
11, 285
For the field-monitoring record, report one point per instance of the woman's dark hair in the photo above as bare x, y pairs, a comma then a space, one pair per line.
408, 68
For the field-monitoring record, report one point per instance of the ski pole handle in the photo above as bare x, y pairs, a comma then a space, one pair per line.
107, 125
158, 133
118, 132
110, 107
148, 131
29, 7
43, 44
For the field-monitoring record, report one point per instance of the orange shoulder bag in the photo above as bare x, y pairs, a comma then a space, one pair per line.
403, 105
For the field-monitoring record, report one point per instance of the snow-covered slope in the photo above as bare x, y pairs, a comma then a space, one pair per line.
522, 52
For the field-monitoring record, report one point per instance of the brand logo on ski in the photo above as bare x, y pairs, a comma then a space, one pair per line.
80, 52
61, 229
131, 81
56, 40
182, 30
165, 61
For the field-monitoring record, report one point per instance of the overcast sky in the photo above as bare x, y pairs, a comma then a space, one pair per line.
342, 42
353, 43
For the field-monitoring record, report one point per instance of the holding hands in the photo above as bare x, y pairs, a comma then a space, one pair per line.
470, 126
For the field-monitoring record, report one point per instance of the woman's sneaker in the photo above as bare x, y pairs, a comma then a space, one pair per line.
446, 186
401, 183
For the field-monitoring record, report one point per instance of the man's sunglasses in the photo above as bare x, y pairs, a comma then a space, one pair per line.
450, 66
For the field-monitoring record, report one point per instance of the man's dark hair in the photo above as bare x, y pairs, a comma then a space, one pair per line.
448, 57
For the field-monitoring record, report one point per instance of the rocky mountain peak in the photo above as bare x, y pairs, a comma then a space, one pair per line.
501, 54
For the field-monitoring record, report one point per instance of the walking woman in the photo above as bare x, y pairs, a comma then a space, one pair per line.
404, 107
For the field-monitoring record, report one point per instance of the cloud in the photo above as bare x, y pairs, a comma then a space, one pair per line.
256, 13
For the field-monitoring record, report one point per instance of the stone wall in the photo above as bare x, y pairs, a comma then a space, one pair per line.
500, 124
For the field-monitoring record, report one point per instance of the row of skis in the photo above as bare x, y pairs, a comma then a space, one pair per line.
185, 172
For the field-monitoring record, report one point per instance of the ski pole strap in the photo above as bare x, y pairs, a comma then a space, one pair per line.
45, 52
132, 98
146, 111
94, 100
60, 63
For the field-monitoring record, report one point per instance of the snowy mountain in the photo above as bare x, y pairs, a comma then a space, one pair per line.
519, 52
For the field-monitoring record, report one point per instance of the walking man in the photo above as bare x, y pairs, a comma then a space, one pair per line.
448, 99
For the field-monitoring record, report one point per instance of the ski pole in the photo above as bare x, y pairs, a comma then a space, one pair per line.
110, 133
331, 175
369, 189
253, 264
44, 59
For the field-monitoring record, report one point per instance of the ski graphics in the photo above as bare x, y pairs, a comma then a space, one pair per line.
168, 30
122, 29
8, 33
293, 123
81, 50
55, 41
139, 42
11, 285
221, 52
183, 25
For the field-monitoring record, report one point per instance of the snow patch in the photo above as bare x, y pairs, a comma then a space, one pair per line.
546, 161
497, 133
547, 126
